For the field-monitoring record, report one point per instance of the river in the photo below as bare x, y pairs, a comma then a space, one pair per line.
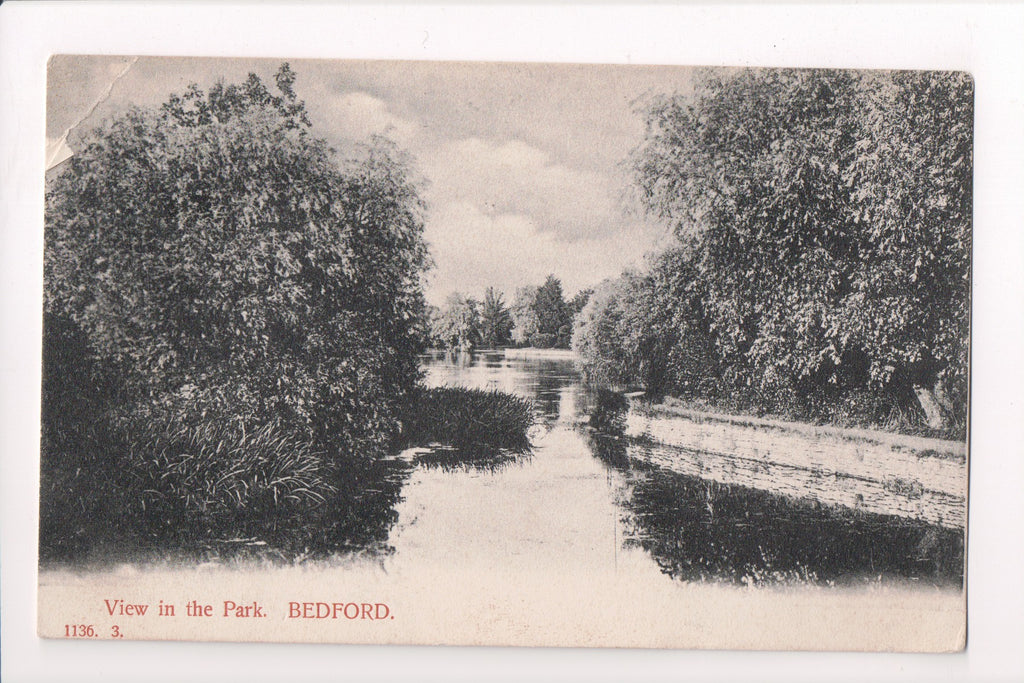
585, 540
587, 500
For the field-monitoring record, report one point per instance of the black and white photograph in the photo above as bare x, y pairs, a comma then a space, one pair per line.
482, 353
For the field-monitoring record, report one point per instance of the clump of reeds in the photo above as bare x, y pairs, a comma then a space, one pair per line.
469, 419
220, 468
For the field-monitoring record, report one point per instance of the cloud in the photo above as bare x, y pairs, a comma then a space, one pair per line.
512, 177
355, 116
474, 249
520, 159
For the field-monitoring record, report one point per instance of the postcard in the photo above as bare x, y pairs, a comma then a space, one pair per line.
518, 354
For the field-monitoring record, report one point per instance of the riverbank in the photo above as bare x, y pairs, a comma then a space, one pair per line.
881, 472
925, 445
532, 352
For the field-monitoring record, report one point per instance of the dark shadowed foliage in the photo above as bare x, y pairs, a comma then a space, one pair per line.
233, 315
471, 420
823, 260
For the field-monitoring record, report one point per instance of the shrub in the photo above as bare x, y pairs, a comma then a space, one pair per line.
469, 419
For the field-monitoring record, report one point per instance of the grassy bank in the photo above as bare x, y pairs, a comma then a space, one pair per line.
531, 352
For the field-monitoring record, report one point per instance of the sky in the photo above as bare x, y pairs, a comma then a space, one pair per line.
523, 162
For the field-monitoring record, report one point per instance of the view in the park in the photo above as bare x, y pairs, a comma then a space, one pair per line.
513, 354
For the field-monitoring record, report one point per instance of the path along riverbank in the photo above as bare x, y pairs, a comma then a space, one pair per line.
879, 472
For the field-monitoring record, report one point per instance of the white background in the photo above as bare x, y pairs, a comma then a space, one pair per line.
987, 40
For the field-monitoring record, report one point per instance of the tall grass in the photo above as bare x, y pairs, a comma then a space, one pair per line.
217, 468
468, 419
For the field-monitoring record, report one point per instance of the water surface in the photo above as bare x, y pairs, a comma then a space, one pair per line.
600, 503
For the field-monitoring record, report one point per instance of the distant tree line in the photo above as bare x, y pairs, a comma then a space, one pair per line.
821, 264
539, 316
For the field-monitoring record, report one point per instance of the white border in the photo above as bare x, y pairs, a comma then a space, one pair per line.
983, 39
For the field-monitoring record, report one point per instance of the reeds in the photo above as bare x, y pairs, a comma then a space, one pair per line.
218, 467
469, 419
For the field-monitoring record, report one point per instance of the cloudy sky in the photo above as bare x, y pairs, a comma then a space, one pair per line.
523, 161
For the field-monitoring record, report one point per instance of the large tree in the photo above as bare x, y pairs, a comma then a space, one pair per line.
457, 326
524, 315
554, 317
495, 320
830, 213
223, 272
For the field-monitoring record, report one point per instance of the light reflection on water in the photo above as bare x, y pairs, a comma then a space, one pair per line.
604, 504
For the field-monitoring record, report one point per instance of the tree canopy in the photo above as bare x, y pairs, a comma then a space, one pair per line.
457, 325
224, 271
828, 216
495, 320
216, 242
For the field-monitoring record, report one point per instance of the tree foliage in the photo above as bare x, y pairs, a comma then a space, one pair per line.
826, 218
457, 325
577, 303
648, 329
541, 316
224, 268
554, 317
524, 315
495, 320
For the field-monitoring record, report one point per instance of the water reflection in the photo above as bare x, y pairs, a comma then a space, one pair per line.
369, 503
540, 379
454, 459
699, 530
690, 523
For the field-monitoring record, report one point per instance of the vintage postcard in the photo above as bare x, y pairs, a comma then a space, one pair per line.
505, 354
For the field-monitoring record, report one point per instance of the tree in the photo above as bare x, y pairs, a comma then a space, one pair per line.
229, 274
602, 355
580, 300
648, 328
912, 180
458, 326
830, 216
554, 318
524, 315
495, 320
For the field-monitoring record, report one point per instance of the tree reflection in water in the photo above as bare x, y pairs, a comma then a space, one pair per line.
454, 459
367, 509
703, 530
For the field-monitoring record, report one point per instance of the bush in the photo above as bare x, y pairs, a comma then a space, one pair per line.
227, 279
543, 340
469, 419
